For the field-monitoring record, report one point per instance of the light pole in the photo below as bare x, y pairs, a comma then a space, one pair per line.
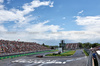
62, 45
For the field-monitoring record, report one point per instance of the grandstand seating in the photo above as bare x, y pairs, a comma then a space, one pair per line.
72, 46
7, 46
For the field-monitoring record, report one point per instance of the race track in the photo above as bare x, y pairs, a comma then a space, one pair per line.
78, 59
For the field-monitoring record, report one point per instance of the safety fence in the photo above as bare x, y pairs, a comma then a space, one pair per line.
92, 61
98, 59
23, 54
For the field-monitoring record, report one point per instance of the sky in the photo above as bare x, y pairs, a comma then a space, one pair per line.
50, 21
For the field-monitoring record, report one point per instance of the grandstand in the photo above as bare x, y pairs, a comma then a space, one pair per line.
9, 47
68, 46
72, 45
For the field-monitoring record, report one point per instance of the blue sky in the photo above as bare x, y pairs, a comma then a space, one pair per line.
49, 21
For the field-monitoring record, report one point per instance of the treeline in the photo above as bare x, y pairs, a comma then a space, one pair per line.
88, 45
81, 45
51, 47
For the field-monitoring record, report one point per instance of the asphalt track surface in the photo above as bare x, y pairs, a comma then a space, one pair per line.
78, 59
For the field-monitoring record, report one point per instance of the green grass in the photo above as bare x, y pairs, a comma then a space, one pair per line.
85, 53
67, 53
13, 56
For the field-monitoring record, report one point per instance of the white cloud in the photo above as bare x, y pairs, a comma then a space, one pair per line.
18, 16
28, 7
51, 5
73, 36
1, 1
41, 27
1, 7
9, 16
2, 28
40, 31
90, 23
80, 12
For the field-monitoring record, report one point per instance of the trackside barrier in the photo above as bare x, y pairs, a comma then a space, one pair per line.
90, 59
98, 59
25, 54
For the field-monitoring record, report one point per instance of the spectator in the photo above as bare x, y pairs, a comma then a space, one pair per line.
7, 46
94, 58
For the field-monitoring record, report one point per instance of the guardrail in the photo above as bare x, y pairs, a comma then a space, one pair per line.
22, 54
90, 59
7, 54
98, 58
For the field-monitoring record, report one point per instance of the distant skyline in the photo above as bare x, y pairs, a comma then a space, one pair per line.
50, 21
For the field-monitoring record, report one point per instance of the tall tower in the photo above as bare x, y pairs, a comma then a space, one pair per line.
62, 45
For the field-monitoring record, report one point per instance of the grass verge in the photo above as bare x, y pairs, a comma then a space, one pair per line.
67, 53
85, 53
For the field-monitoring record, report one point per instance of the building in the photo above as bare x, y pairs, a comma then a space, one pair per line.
72, 46
68, 46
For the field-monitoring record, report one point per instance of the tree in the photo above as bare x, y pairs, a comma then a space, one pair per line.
80, 45
43, 44
95, 44
87, 45
52, 47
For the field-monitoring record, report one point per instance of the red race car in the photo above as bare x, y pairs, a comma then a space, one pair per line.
39, 56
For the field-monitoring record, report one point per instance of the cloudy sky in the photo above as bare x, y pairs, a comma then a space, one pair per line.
49, 21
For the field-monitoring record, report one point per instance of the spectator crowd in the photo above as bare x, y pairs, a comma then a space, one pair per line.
7, 46
72, 46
